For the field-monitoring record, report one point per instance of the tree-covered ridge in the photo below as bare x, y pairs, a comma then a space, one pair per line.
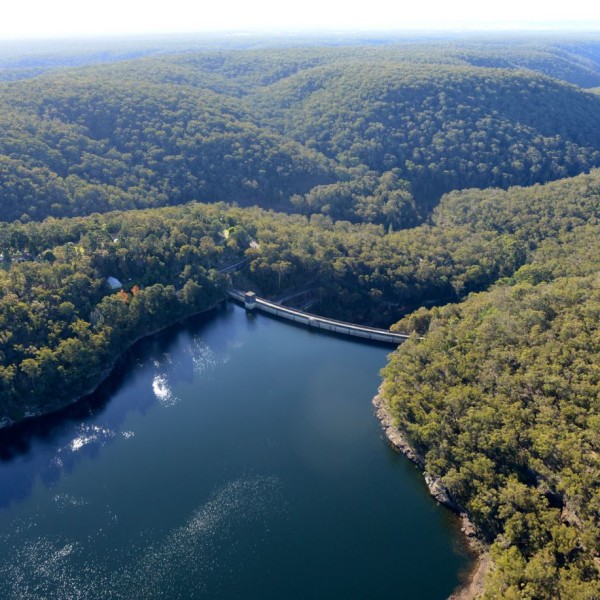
531, 214
362, 274
367, 197
443, 127
502, 397
236, 65
368, 275
74, 146
265, 126
574, 62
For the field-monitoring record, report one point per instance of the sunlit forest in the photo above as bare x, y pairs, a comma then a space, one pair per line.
449, 189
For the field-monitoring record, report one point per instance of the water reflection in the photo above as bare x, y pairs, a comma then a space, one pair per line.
205, 359
162, 391
267, 478
42, 448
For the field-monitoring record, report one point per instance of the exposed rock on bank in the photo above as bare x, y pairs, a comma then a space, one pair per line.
474, 582
394, 435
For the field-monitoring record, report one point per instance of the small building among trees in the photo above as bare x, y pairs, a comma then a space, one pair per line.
114, 283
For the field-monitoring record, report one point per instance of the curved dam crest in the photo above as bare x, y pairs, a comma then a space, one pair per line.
253, 302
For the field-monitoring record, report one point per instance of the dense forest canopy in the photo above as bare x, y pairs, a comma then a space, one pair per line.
274, 126
106, 145
442, 127
502, 398
454, 173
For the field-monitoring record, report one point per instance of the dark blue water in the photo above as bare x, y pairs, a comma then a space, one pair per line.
232, 457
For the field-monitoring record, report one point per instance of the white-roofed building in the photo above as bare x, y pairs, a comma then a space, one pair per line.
114, 283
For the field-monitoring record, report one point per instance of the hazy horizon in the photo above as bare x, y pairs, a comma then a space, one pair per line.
67, 19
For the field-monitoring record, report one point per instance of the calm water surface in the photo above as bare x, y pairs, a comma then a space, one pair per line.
233, 457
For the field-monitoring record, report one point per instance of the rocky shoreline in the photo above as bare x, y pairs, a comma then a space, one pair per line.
473, 585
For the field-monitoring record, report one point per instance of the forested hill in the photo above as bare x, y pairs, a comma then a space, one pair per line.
82, 144
362, 134
575, 59
502, 399
442, 127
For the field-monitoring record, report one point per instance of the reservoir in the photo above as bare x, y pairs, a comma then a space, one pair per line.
234, 456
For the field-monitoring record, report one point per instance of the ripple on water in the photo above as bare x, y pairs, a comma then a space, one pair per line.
204, 358
88, 434
66, 501
179, 565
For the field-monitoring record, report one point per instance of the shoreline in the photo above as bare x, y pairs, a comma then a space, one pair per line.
472, 586
7, 423
474, 578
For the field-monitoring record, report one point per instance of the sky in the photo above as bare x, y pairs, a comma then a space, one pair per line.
26, 19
